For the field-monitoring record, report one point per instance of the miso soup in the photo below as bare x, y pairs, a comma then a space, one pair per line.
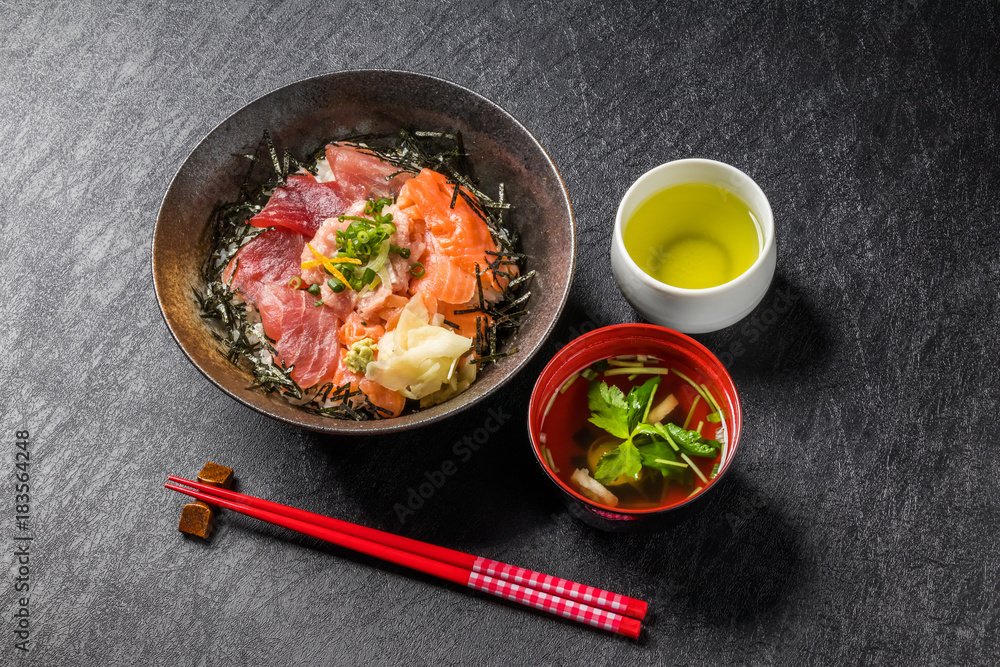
635, 432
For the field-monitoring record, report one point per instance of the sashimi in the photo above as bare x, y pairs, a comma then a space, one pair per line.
362, 176
355, 329
305, 336
387, 399
272, 257
325, 243
371, 301
445, 280
391, 310
458, 231
302, 205
466, 321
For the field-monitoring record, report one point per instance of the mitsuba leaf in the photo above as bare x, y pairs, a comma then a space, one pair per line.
691, 441
656, 449
659, 449
650, 430
609, 409
623, 460
638, 398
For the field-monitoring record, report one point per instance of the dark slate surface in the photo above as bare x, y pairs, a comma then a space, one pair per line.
859, 524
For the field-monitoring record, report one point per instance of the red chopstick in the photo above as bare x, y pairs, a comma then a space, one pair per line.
562, 587
336, 532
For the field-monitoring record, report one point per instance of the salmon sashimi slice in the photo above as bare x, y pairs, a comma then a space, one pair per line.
363, 176
466, 321
458, 231
272, 257
387, 399
391, 401
391, 309
302, 205
345, 375
305, 336
355, 329
444, 280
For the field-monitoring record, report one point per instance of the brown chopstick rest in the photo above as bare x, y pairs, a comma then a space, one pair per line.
197, 518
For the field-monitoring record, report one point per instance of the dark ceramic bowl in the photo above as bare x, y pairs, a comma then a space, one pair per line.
629, 339
300, 117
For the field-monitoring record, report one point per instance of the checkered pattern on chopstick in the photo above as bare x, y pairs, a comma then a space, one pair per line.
562, 587
578, 602
575, 611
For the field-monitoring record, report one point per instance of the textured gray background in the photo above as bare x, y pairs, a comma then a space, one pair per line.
859, 524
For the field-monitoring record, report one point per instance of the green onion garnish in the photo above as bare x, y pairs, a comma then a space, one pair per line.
568, 383
368, 276
295, 282
335, 285
313, 289
698, 472
693, 384
711, 399
623, 363
633, 370
691, 411
417, 269
317, 303
402, 252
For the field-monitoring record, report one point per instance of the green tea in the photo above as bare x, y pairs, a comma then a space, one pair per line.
693, 236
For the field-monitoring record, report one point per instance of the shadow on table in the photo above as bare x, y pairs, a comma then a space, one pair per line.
781, 338
450, 482
729, 560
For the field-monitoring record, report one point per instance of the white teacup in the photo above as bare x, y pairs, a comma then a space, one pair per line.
694, 310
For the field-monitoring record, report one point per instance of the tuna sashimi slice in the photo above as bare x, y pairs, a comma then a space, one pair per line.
302, 205
363, 176
272, 257
305, 335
